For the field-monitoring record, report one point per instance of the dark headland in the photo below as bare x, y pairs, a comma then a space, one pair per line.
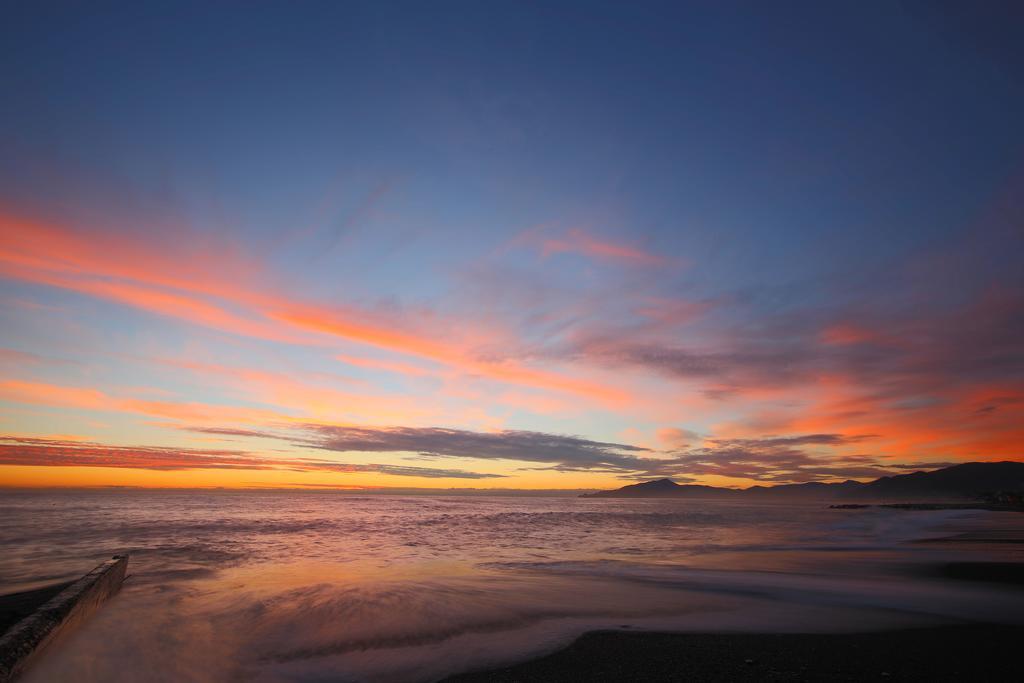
996, 485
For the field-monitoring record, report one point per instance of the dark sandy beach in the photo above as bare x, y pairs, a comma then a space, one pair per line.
963, 652
950, 653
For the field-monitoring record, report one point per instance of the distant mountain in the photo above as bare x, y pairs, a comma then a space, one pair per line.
664, 488
969, 481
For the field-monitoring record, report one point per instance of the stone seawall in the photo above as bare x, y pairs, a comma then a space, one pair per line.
63, 612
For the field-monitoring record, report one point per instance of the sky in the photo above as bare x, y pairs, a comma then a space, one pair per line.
508, 245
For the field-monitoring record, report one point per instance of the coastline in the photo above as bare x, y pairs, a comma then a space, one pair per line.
679, 611
937, 653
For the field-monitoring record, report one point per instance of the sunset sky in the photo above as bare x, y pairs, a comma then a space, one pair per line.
490, 245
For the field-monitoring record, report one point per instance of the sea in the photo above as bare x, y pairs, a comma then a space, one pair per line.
343, 586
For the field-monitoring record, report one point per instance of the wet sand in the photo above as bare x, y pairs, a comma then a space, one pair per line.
948, 653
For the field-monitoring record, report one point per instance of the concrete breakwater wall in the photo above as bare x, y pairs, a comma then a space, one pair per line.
26, 639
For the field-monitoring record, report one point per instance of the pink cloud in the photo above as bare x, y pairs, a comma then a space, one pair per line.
578, 241
845, 333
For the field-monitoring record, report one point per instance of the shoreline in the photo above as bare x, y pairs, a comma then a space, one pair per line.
934, 653
989, 507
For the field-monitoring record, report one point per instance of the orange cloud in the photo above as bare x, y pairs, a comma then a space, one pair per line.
201, 285
386, 365
979, 423
53, 395
43, 393
675, 438
423, 347
313, 400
